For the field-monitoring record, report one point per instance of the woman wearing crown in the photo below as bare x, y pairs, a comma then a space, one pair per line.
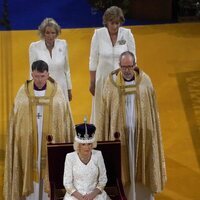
85, 172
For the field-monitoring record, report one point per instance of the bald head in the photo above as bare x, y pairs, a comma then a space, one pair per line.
127, 55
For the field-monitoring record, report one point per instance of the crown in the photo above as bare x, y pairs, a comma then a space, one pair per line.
85, 132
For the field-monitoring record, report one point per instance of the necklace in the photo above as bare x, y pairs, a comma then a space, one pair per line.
83, 159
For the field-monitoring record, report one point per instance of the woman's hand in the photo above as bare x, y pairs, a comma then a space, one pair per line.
92, 82
92, 88
92, 195
78, 195
70, 95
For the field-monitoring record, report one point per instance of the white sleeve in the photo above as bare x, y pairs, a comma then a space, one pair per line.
131, 43
68, 176
32, 57
102, 172
67, 68
94, 52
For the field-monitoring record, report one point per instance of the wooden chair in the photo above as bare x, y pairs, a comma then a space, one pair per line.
111, 151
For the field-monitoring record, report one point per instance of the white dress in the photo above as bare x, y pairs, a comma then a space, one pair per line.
135, 191
104, 58
58, 63
84, 177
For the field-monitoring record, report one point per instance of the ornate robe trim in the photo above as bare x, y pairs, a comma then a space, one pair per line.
119, 83
39, 100
127, 89
29, 85
46, 101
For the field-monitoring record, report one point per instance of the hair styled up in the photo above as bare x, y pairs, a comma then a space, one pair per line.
48, 22
76, 145
113, 13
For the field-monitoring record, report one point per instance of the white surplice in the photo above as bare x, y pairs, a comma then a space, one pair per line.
37, 186
136, 191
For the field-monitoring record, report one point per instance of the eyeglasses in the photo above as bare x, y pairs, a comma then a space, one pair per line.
124, 67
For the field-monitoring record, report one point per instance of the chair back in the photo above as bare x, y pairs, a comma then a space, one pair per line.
111, 151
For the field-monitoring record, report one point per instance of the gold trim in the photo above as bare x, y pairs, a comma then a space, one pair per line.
126, 89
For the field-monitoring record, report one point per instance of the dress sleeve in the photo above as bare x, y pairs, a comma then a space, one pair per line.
94, 52
131, 43
68, 176
32, 57
102, 173
67, 68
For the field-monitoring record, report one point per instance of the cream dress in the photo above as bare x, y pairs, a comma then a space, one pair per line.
104, 58
58, 64
84, 177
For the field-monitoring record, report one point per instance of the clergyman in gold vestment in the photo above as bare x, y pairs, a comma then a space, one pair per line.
39, 109
129, 107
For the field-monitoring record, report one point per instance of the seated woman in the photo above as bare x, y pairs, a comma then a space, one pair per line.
85, 172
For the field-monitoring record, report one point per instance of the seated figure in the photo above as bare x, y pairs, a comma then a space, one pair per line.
84, 171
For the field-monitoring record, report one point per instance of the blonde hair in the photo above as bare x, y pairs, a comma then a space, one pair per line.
76, 145
113, 13
48, 22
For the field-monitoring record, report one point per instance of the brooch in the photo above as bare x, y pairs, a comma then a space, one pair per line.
122, 42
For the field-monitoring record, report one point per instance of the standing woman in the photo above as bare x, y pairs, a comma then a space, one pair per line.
106, 46
54, 52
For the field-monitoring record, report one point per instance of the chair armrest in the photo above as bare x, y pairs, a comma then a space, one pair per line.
52, 191
121, 189
56, 194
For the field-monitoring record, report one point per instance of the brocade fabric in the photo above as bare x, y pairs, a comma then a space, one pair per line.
21, 144
149, 165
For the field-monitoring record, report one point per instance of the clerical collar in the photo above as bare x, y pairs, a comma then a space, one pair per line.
40, 89
129, 80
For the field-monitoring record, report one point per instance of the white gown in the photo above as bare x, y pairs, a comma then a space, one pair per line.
58, 64
35, 195
104, 58
84, 178
136, 191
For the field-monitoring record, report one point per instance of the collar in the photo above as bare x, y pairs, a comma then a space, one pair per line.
40, 89
132, 79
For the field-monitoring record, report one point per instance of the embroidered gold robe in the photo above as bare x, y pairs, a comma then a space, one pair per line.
21, 150
149, 156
